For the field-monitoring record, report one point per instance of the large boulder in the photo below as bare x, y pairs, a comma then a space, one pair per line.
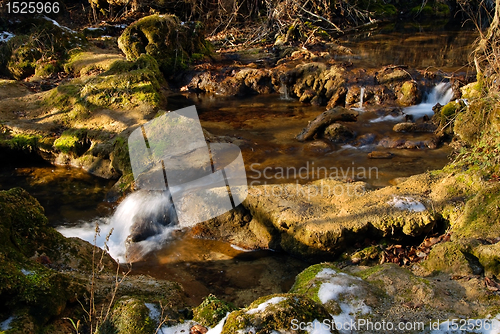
171, 42
29, 248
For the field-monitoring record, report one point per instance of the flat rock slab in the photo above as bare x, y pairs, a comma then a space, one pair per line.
326, 216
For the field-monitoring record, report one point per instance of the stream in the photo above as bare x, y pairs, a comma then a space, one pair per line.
267, 126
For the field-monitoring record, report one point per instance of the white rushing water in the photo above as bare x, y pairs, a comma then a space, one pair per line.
152, 210
441, 93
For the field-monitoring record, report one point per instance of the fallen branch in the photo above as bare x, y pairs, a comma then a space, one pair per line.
325, 119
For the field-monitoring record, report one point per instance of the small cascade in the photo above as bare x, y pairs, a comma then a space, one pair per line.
361, 97
146, 217
441, 93
284, 92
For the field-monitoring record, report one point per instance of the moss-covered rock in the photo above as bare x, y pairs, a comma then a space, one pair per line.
470, 124
129, 316
166, 39
22, 62
489, 257
473, 90
409, 94
481, 216
211, 311
25, 282
84, 62
39, 46
276, 313
337, 291
452, 258
73, 141
366, 256
317, 82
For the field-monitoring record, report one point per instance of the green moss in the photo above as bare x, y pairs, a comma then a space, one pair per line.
26, 284
82, 62
46, 70
305, 282
367, 255
489, 257
431, 9
370, 271
473, 90
120, 158
124, 84
35, 48
72, 141
211, 311
275, 317
448, 257
480, 218
164, 38
21, 142
129, 316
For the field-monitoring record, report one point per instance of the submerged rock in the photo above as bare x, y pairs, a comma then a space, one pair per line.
338, 133
414, 127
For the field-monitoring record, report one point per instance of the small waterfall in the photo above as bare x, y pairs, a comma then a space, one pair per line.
284, 92
146, 216
441, 93
361, 96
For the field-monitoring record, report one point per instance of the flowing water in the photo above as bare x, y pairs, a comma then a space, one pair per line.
265, 127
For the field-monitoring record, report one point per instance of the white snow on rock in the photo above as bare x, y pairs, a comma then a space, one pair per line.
346, 291
54, 22
5, 36
153, 311
262, 307
218, 328
5, 325
459, 326
183, 328
407, 203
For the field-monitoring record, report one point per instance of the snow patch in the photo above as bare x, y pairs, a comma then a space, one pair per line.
27, 272
318, 328
5, 325
263, 306
218, 328
343, 289
54, 22
183, 328
153, 311
482, 326
5, 36
407, 203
